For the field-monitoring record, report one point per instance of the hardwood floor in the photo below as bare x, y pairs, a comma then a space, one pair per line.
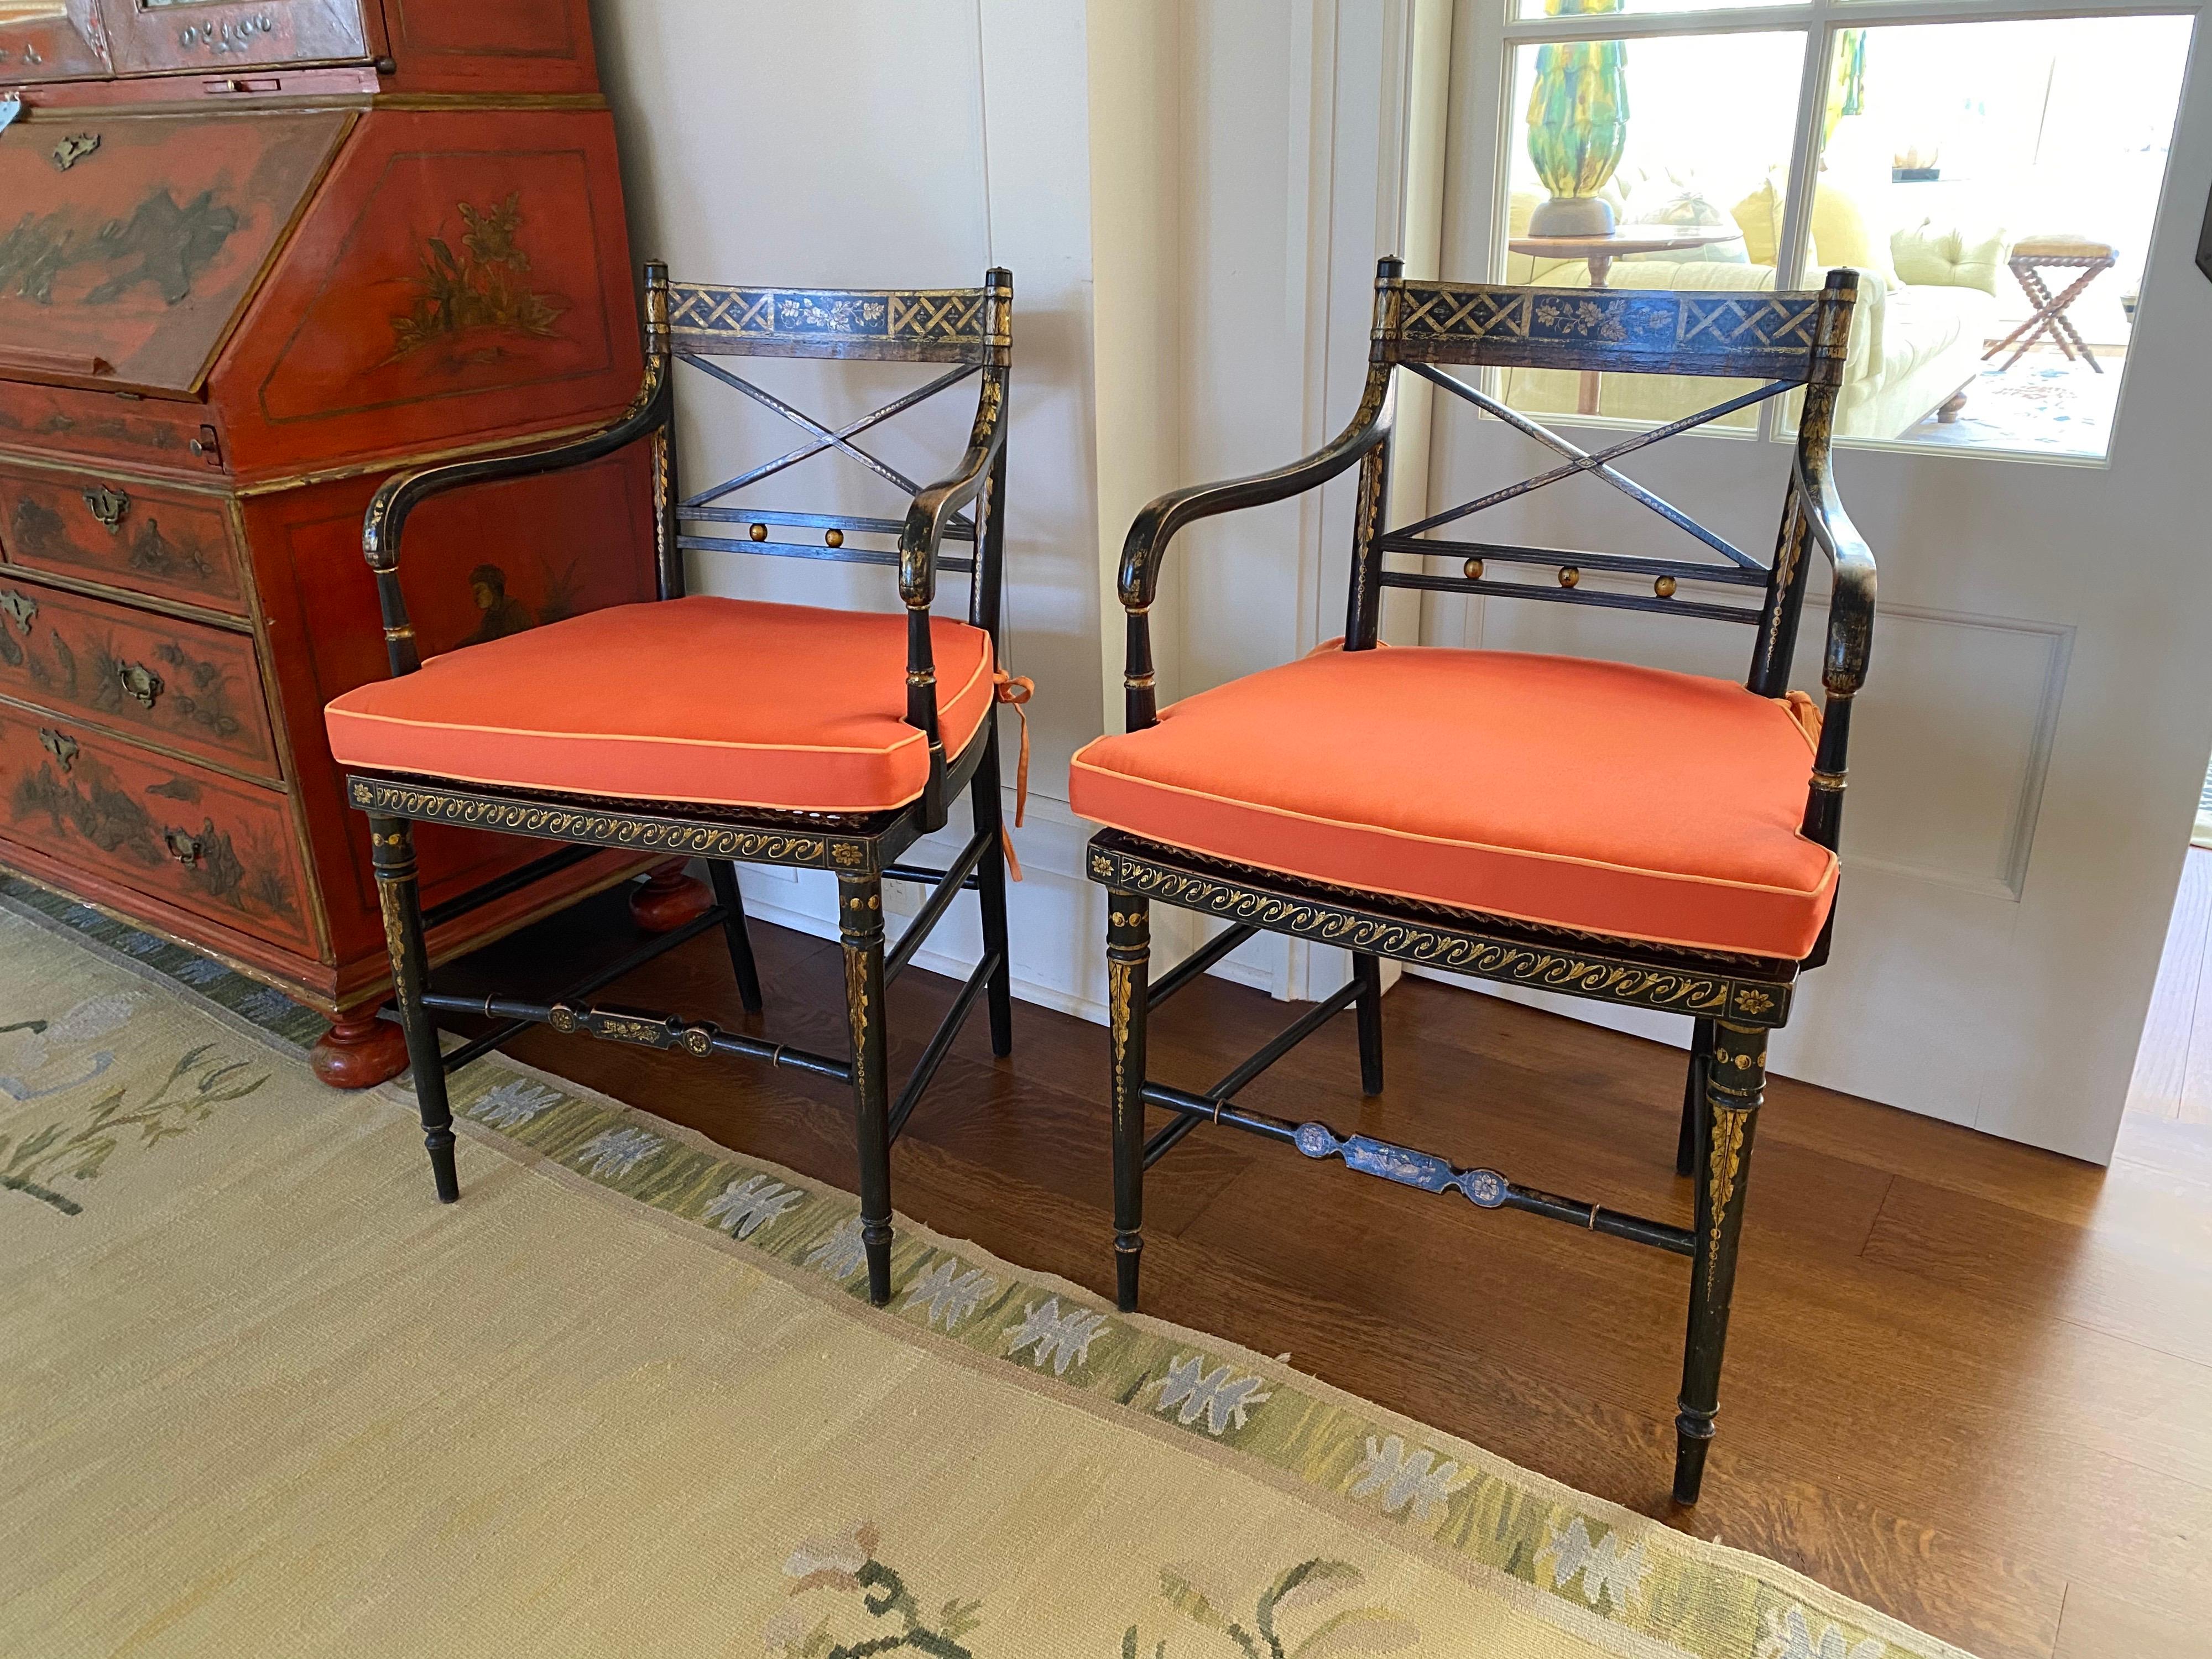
1968, 1382
2174, 1072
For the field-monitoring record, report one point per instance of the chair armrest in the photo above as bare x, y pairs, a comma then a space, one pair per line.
1851, 603
400, 495
1157, 525
1844, 662
933, 506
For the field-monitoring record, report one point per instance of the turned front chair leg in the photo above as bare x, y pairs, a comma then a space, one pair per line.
392, 844
1693, 1099
990, 813
1128, 953
861, 928
724, 877
1368, 970
1735, 1083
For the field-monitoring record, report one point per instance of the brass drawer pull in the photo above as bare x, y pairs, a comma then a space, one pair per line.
74, 148
64, 749
18, 608
140, 683
108, 506
184, 848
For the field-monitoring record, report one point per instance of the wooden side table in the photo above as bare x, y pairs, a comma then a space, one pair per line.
2030, 258
1600, 252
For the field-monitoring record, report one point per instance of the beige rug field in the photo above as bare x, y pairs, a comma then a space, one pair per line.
263, 1397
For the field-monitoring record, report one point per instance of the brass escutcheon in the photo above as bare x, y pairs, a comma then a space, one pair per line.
108, 506
74, 148
140, 683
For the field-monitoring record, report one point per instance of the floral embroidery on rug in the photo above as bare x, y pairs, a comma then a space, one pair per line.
1220, 1396
846, 1563
55, 1060
1296, 1616
1789, 1636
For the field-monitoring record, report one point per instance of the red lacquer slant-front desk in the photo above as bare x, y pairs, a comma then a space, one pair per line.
255, 258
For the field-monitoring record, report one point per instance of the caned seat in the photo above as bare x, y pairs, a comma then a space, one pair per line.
1596, 796
717, 701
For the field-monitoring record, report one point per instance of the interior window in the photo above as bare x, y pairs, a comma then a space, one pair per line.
1999, 180
1661, 185
1995, 182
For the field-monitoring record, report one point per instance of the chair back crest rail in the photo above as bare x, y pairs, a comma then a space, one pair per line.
932, 325
702, 326
1784, 341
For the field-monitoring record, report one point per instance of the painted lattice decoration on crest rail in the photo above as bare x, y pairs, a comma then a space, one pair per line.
941, 318
1772, 335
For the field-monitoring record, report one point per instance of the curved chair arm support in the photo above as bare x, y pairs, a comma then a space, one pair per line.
1843, 665
1851, 611
398, 496
931, 511
1157, 524
933, 506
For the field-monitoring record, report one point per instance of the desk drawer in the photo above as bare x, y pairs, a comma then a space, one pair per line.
218, 848
179, 683
145, 538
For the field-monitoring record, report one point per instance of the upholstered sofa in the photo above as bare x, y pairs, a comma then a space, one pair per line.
1928, 305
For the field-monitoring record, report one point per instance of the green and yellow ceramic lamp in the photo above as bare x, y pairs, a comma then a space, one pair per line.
1577, 125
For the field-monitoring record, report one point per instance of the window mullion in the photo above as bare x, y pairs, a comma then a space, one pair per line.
1804, 168
1629, 26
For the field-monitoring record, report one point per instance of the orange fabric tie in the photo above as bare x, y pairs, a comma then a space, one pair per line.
1017, 690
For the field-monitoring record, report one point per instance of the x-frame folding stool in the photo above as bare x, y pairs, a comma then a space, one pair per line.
2049, 315
1787, 339
970, 328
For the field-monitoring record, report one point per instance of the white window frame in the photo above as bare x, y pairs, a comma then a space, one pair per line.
1819, 22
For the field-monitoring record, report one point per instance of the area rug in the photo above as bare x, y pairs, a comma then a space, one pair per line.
2045, 405
265, 1396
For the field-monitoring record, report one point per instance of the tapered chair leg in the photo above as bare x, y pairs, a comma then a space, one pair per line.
1368, 970
1735, 1083
861, 928
1693, 1099
1128, 955
392, 842
724, 877
989, 811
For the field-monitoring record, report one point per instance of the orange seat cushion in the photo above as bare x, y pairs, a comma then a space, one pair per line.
717, 701
1590, 795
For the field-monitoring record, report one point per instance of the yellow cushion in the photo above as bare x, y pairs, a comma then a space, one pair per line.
1841, 235
1945, 257
1758, 216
